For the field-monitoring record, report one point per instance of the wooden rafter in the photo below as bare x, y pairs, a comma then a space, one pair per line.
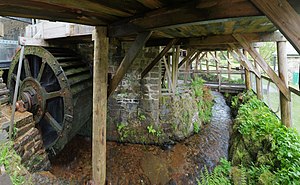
284, 16
264, 65
158, 57
245, 62
179, 15
132, 53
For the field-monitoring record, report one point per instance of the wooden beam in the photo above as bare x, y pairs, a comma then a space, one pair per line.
190, 13
168, 73
158, 57
226, 39
132, 53
258, 80
264, 65
218, 40
247, 74
175, 61
285, 104
101, 45
284, 16
239, 56
187, 57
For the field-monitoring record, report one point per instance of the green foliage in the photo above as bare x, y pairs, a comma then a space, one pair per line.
196, 128
12, 163
203, 98
220, 175
273, 149
151, 130
141, 117
124, 131
267, 50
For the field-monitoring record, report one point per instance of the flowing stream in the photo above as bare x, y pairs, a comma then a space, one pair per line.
148, 164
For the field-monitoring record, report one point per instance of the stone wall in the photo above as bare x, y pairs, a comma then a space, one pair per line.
12, 28
137, 112
28, 142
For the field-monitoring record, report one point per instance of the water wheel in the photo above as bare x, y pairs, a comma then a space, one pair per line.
56, 86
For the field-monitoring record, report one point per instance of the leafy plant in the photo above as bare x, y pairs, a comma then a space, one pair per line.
273, 149
12, 163
141, 117
203, 98
151, 130
196, 128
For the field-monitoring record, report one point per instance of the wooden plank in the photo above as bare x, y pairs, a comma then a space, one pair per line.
285, 104
131, 54
284, 16
264, 65
178, 15
100, 73
158, 57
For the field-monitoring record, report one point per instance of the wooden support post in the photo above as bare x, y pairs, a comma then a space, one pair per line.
217, 65
284, 16
285, 104
168, 73
186, 70
247, 74
207, 65
131, 54
101, 45
258, 80
264, 65
229, 66
175, 61
158, 57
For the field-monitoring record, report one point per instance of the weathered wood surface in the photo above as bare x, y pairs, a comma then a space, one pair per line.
258, 80
158, 57
101, 46
284, 16
285, 104
131, 54
189, 13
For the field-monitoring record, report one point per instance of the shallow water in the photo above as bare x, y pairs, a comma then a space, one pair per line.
148, 164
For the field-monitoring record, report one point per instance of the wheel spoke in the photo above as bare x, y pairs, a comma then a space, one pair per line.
54, 94
14, 77
53, 122
39, 77
27, 68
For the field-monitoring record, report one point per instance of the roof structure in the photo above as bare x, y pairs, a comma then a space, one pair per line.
167, 18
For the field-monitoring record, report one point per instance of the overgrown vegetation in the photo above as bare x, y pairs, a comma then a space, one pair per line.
12, 164
263, 151
204, 100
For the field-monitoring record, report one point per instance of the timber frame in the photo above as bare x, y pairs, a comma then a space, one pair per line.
199, 26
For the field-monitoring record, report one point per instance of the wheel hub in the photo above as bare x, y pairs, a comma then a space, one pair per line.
32, 95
